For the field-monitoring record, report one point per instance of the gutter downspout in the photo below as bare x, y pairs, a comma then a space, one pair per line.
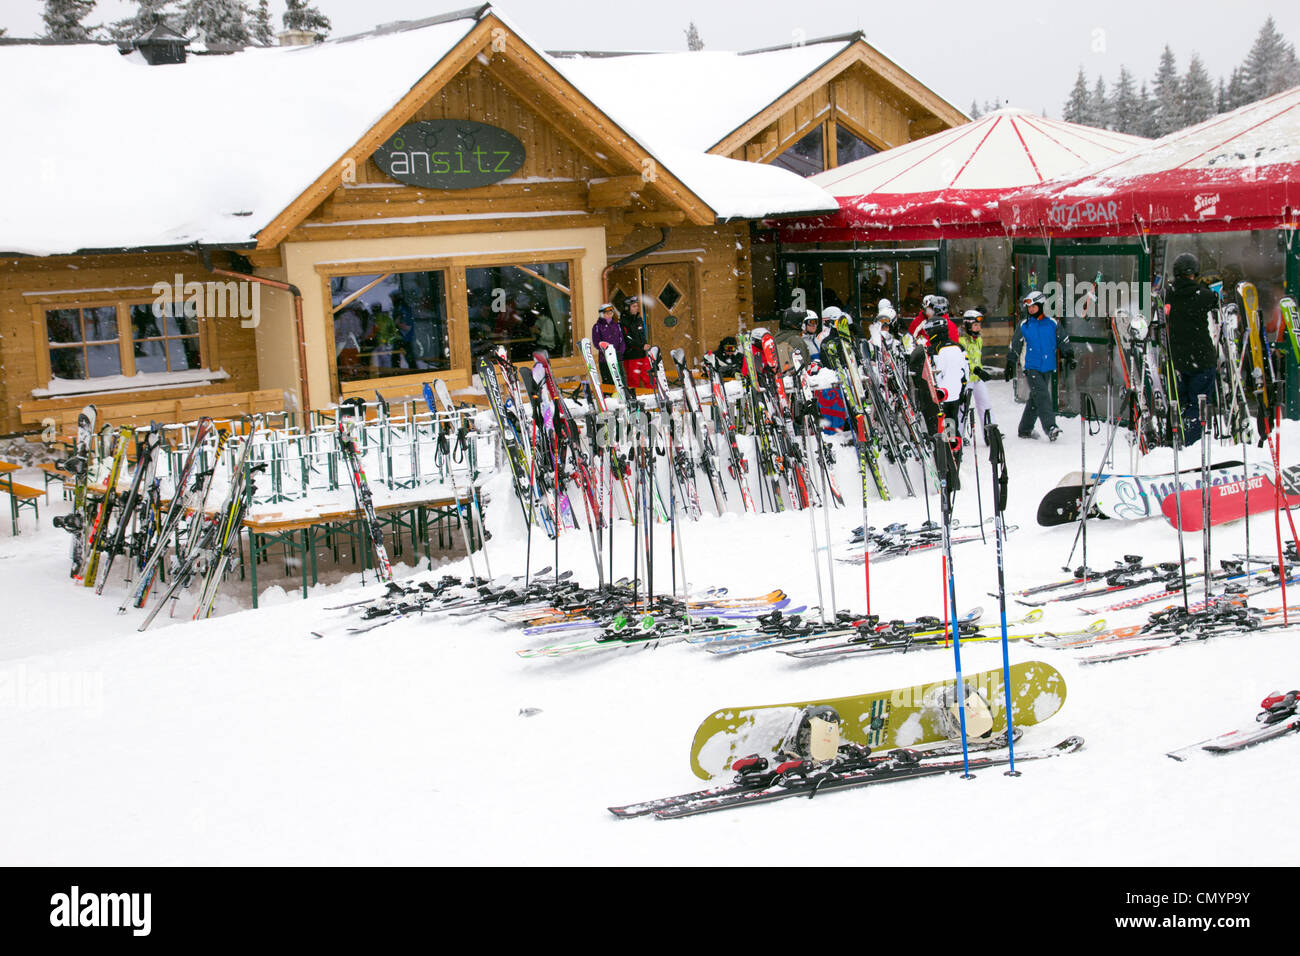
619, 263
205, 257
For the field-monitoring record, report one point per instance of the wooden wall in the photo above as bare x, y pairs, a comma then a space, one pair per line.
24, 280
553, 181
719, 256
865, 103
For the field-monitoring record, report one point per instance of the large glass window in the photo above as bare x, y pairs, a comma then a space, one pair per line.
849, 147
981, 271
915, 282
165, 338
522, 308
1231, 257
876, 281
390, 324
805, 157
83, 343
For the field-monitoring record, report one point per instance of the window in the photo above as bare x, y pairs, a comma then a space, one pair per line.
849, 147
390, 324
83, 343
981, 269
805, 157
1258, 257
165, 338
522, 308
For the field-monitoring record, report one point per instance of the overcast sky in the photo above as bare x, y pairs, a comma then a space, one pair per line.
1026, 54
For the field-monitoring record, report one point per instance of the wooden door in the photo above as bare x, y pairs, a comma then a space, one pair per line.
668, 291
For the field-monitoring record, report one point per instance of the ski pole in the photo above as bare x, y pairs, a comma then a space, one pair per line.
998, 465
1203, 410
944, 458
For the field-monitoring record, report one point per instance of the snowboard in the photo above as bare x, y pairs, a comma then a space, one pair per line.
913, 717
1132, 497
1228, 502
1061, 504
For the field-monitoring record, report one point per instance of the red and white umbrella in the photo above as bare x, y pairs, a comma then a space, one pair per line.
948, 185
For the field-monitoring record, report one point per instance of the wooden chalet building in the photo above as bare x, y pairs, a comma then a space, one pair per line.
289, 227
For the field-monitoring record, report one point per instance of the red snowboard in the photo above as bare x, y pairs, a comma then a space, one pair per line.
1227, 502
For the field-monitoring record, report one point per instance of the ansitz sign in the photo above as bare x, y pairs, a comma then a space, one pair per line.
450, 154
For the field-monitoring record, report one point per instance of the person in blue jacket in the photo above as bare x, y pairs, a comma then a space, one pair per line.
1034, 346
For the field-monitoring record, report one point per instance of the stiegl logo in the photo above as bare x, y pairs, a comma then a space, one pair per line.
76, 909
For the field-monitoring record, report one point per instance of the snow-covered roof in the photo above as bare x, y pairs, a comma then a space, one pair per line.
692, 100
1237, 170
112, 153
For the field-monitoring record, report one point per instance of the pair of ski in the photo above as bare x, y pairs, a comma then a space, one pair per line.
1278, 718
892, 641
766, 780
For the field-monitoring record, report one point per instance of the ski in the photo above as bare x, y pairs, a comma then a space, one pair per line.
780, 780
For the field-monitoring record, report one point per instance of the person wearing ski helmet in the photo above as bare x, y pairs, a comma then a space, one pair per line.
789, 336
1191, 348
881, 330
934, 311
942, 376
1034, 348
970, 340
813, 334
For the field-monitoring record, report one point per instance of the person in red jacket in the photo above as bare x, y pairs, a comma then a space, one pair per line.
933, 306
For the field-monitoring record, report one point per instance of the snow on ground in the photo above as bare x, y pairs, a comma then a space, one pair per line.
241, 740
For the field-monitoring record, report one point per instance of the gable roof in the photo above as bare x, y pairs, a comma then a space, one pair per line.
660, 93
746, 90
224, 150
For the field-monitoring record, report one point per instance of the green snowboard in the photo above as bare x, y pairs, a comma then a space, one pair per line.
906, 717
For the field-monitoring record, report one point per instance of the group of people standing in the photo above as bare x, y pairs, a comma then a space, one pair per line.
627, 334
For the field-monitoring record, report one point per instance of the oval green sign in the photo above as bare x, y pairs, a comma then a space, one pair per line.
450, 154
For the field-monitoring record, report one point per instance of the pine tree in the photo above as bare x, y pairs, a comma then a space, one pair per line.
148, 14
1146, 125
301, 15
1197, 93
1236, 93
63, 18
694, 41
1076, 107
1270, 66
1124, 114
217, 22
1167, 93
259, 24
974, 111
1099, 107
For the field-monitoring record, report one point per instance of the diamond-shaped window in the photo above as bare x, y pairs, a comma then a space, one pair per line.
670, 296
619, 298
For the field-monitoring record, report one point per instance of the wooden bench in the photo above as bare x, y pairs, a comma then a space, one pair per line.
20, 496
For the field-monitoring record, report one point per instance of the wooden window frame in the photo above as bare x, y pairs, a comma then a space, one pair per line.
461, 372
122, 303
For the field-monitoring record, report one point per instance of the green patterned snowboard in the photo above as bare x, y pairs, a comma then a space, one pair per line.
905, 717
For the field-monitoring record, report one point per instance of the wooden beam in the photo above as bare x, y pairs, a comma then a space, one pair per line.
616, 192
667, 217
